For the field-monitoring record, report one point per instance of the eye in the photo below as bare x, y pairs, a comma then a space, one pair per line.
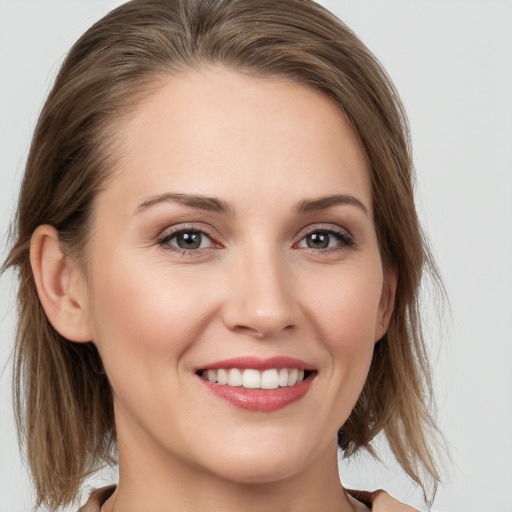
321, 239
186, 240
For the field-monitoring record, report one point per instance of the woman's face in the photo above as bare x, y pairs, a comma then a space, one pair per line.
236, 242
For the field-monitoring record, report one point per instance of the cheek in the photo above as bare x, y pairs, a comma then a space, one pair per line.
346, 314
144, 320
347, 309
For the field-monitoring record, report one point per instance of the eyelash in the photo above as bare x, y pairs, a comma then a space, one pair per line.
164, 241
344, 238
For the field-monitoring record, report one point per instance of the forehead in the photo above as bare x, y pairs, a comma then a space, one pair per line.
221, 133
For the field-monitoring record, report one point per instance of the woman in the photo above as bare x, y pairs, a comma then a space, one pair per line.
219, 261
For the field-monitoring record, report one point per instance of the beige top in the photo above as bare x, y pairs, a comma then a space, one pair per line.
378, 501
97, 498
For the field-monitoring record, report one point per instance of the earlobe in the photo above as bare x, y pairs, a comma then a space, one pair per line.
59, 285
387, 303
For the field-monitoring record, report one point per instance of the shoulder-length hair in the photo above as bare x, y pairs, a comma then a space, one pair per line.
63, 400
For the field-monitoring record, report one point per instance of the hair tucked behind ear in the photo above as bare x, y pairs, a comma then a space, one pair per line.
62, 397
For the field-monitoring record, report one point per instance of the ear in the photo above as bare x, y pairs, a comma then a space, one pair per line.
60, 285
387, 303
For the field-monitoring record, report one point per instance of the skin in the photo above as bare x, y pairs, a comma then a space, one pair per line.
254, 288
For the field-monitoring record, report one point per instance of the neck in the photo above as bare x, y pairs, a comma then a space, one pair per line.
147, 481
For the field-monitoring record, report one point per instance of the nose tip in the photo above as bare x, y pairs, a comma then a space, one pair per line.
261, 302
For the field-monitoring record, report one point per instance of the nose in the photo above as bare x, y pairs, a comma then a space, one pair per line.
261, 298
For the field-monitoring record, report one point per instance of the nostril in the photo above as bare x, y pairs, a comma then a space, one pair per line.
262, 331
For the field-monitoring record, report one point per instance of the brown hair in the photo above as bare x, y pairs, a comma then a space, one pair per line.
63, 400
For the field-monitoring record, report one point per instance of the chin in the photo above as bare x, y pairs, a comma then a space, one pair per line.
259, 472
255, 463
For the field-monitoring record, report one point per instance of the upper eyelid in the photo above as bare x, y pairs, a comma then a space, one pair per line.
334, 228
174, 230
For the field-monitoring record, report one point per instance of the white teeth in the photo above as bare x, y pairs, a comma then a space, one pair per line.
254, 379
222, 376
235, 377
292, 377
269, 379
251, 379
283, 377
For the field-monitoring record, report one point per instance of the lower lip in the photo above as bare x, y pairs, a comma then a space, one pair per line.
262, 400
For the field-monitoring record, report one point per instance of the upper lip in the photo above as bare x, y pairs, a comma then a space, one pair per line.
257, 363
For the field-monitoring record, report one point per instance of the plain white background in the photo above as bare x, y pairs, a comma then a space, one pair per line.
452, 63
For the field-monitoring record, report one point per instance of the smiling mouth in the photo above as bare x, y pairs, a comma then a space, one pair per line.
250, 378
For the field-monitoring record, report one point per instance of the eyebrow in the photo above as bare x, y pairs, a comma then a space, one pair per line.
214, 204
326, 202
211, 204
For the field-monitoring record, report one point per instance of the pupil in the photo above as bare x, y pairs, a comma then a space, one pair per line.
190, 240
318, 240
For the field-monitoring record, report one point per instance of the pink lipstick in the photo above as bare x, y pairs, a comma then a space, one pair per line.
256, 384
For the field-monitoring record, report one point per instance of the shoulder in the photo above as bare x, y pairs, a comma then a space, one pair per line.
380, 501
383, 502
97, 498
